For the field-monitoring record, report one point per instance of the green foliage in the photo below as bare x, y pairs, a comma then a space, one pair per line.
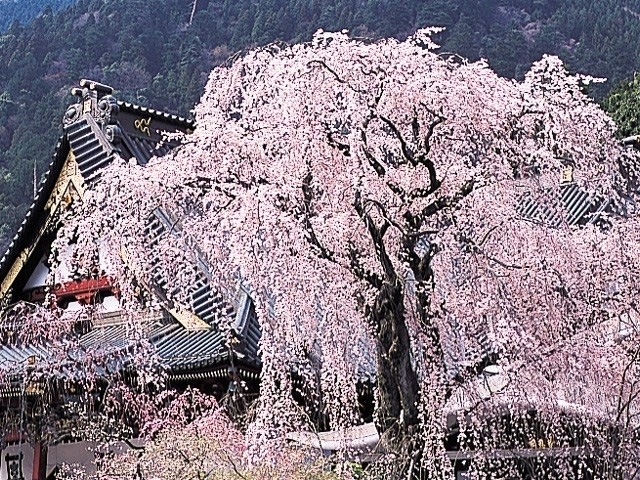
151, 53
623, 105
22, 12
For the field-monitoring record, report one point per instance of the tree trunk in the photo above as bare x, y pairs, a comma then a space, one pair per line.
398, 417
398, 387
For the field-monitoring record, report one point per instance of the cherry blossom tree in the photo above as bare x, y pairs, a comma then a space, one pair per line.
368, 196
192, 438
70, 390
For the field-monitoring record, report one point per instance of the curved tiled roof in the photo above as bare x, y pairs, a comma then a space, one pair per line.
32, 222
175, 119
87, 138
574, 206
97, 130
178, 349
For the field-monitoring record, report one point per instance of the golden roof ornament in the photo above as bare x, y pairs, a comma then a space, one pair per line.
566, 176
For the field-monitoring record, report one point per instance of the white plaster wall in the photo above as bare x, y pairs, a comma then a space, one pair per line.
80, 453
39, 276
27, 460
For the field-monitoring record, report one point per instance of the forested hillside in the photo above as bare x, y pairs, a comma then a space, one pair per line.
24, 11
159, 52
623, 104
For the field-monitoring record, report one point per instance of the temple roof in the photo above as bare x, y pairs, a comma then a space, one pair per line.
185, 352
574, 206
96, 130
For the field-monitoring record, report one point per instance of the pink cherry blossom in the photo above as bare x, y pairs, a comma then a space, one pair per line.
368, 196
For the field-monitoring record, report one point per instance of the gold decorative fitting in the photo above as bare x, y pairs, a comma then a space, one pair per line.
540, 443
142, 124
68, 188
34, 388
567, 175
188, 319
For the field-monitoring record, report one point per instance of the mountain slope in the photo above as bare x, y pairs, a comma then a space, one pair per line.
159, 52
25, 11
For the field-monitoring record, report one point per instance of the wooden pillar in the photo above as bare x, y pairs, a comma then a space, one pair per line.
40, 454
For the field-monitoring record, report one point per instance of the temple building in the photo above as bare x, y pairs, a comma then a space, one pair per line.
186, 339
211, 341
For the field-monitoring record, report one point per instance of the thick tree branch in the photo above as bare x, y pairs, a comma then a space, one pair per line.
421, 158
406, 151
307, 214
344, 148
377, 166
359, 271
448, 201
376, 234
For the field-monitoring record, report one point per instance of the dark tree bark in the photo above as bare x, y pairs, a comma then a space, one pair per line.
398, 386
